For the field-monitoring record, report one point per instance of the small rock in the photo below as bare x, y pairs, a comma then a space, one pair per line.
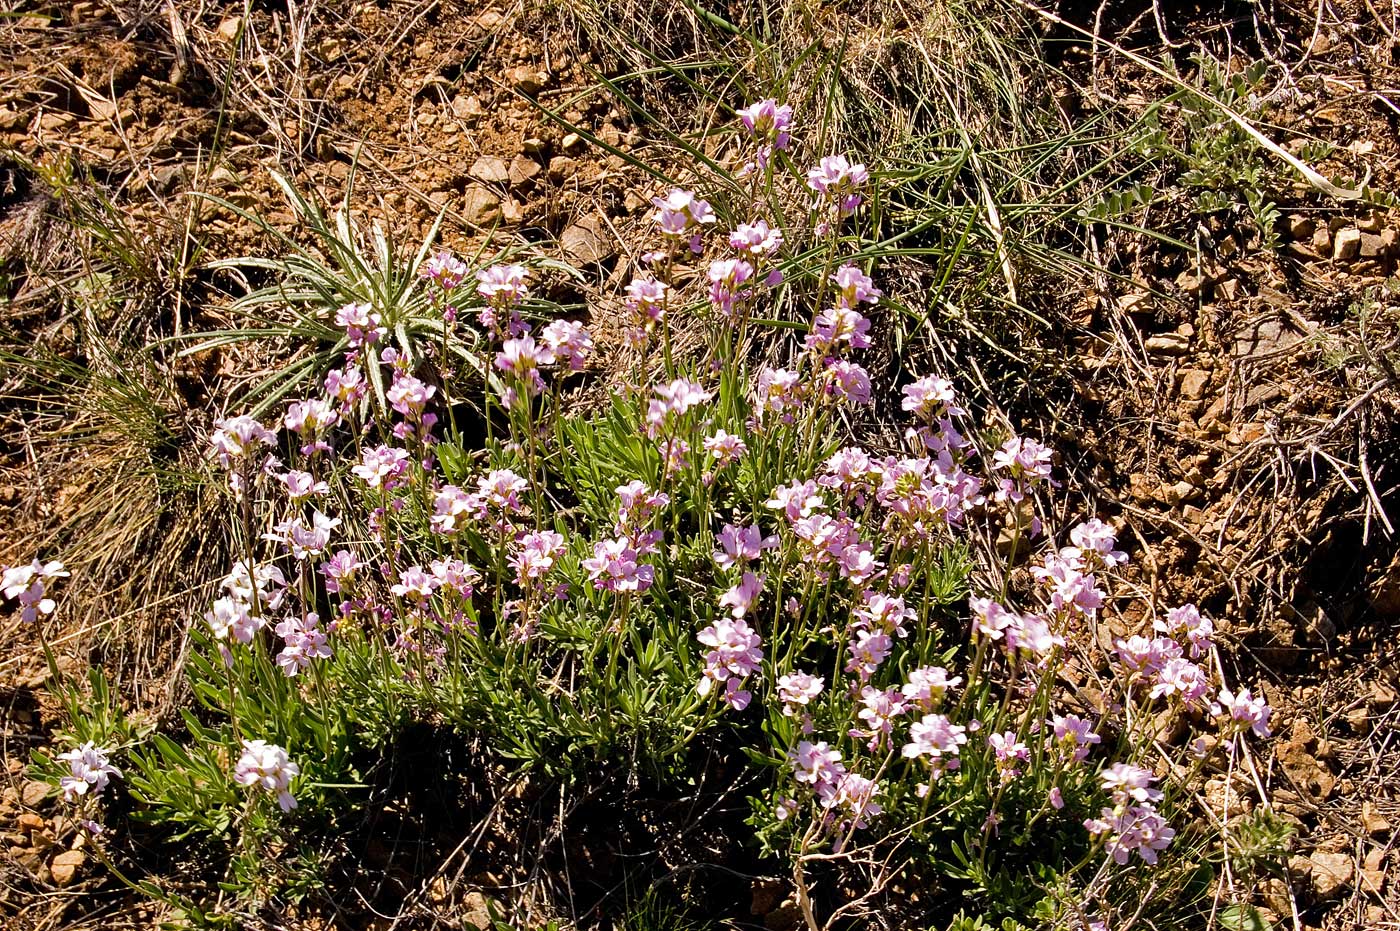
1389, 240
1331, 873
523, 171
512, 211
474, 911
1373, 821
1372, 246
1194, 383
533, 145
490, 169
1300, 226
1382, 695
1369, 224
467, 108
527, 80
560, 168
480, 206
228, 30
1181, 491
30, 821
1347, 245
1375, 857
1322, 240
570, 142
586, 241
64, 867
34, 793
1168, 344
1228, 290
1372, 881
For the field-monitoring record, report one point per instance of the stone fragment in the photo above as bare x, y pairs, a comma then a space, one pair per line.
33, 793
1371, 246
229, 28
1168, 344
1347, 245
527, 80
65, 866
480, 206
467, 108
1301, 226
1322, 240
570, 141
532, 145
1373, 821
1193, 384
1331, 873
523, 171
490, 169
587, 241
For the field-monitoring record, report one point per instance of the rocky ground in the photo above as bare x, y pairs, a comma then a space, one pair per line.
1234, 406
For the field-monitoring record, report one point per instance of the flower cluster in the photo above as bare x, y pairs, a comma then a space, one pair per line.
267, 767
29, 585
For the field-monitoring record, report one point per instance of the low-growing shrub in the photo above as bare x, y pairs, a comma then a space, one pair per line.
890, 628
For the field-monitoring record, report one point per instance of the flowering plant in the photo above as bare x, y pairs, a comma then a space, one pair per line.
715, 559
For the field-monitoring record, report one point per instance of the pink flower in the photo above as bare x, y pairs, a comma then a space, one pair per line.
767, 121
415, 584
1073, 736
303, 641
302, 485
756, 238
1187, 624
927, 686
739, 544
29, 585
990, 619
446, 270
340, 570
835, 326
847, 381
568, 341
680, 214
1140, 655
726, 448
837, 182
932, 398
503, 286
536, 555
1010, 754
1135, 829
797, 500
735, 654
934, 736
868, 649
450, 505
237, 439
728, 278
853, 287
1125, 781
816, 765
522, 358
614, 567
382, 466
267, 766
88, 771
779, 391
741, 598
1097, 538
1243, 711
1181, 678
362, 325
798, 688
878, 709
